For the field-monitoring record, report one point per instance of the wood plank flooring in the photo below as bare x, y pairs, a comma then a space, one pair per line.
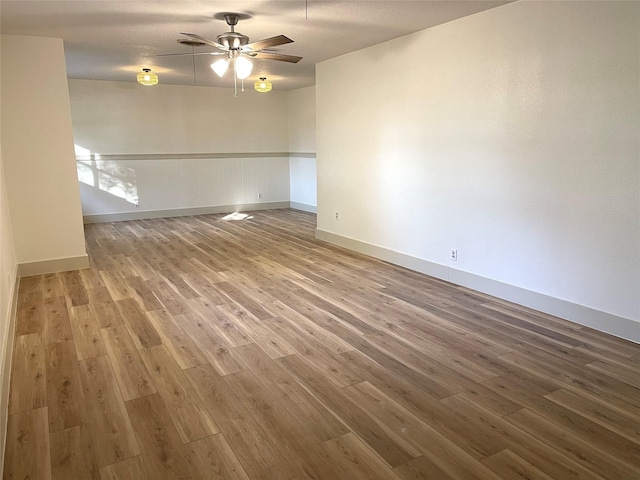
241, 347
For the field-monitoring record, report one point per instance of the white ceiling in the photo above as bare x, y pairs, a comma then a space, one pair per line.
113, 40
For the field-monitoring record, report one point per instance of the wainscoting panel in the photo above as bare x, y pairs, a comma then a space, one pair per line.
118, 184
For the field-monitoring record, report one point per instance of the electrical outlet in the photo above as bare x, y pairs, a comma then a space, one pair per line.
336, 215
454, 255
259, 195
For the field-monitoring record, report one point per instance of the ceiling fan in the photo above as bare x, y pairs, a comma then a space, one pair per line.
237, 50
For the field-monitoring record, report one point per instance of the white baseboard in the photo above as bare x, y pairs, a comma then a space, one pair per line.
605, 322
182, 212
5, 368
51, 266
304, 207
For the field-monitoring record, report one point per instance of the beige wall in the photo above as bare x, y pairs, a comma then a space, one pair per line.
7, 290
301, 114
512, 136
8, 286
38, 156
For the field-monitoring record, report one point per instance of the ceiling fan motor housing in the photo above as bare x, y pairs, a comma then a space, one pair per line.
233, 40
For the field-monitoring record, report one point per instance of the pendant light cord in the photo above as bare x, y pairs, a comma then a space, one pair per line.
193, 58
235, 81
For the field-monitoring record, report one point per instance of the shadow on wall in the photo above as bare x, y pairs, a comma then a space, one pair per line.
106, 175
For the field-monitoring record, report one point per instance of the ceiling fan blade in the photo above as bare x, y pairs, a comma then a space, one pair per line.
205, 40
190, 53
267, 42
276, 56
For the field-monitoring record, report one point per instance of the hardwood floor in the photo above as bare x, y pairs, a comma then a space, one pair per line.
241, 347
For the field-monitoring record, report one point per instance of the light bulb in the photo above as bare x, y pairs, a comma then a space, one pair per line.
220, 66
243, 67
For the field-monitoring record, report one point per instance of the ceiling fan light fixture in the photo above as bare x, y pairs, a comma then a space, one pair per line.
220, 66
147, 77
243, 67
237, 51
263, 85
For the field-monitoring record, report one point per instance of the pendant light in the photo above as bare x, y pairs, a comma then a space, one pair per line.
147, 77
263, 85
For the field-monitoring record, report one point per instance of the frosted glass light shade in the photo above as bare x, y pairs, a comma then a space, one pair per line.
243, 67
263, 85
147, 77
220, 66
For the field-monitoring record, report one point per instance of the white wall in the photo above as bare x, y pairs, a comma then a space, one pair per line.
303, 185
7, 290
178, 148
128, 118
301, 113
301, 117
38, 156
512, 136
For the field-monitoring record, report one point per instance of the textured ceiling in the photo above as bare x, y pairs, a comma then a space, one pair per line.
113, 40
